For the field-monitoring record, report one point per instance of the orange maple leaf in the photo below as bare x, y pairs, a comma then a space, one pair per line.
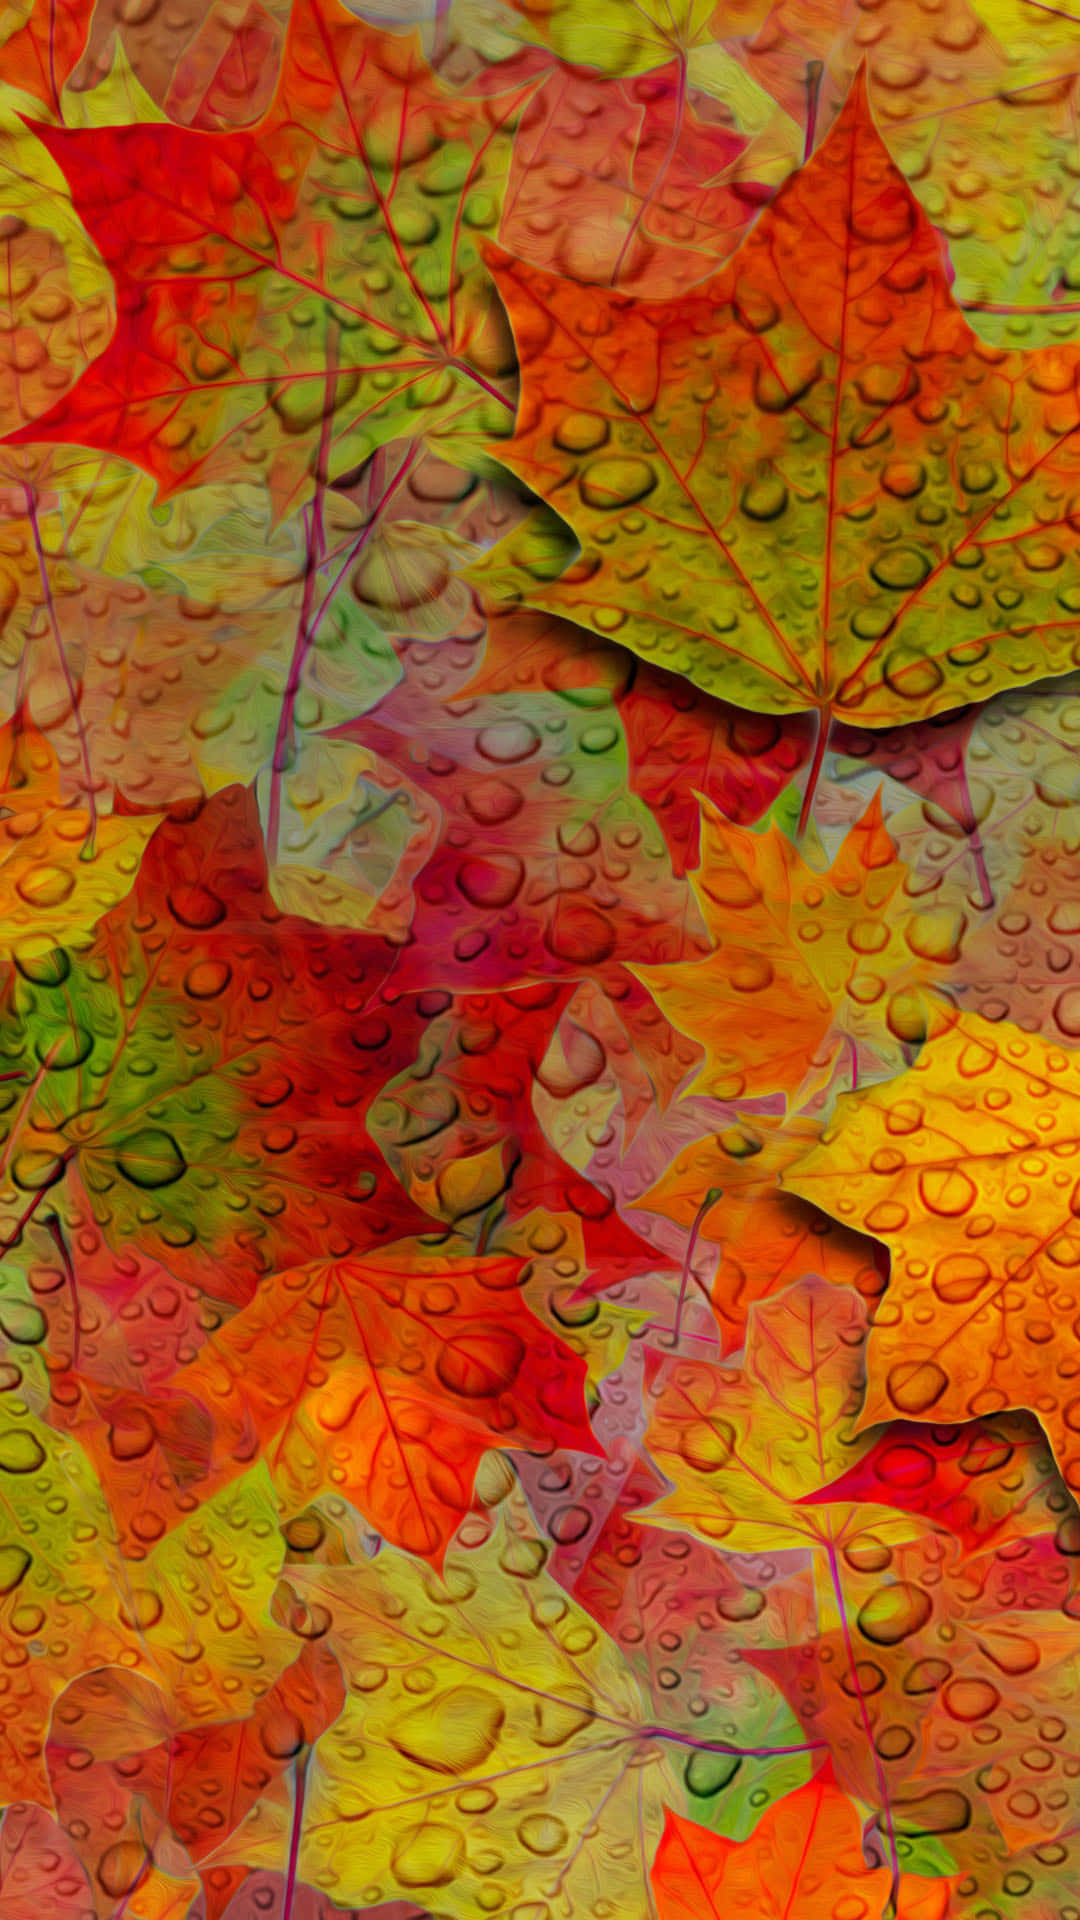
795, 953
803, 1861
386, 1380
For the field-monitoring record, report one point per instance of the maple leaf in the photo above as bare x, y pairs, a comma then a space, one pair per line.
57, 1577
765, 1238
205, 1781
990, 1481
962, 1166
116, 1759
386, 1380
345, 230
680, 742
40, 1871
201, 1041
746, 1449
767, 450
460, 1129
61, 869
976, 104
796, 953
43, 41
657, 201
195, 1612
540, 1735
803, 1859
945, 1675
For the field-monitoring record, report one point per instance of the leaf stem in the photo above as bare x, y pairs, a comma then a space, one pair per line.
56, 1234
975, 841
815, 73
283, 742
300, 1767
710, 1200
728, 1746
824, 727
879, 1771
306, 632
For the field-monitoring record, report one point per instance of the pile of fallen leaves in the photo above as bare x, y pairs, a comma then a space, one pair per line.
539, 960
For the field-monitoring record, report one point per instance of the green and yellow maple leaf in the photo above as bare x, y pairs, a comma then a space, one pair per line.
807, 484
517, 1766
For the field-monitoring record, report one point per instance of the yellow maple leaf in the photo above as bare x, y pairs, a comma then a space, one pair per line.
968, 1168
61, 867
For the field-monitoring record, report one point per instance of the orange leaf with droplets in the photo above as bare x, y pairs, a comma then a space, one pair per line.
386, 1380
796, 953
654, 187
803, 1861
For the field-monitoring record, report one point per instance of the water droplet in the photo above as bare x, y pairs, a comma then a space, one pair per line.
765, 498
913, 1386
207, 978
14, 1564
20, 1451
1067, 1012
892, 1613
45, 886
709, 1773
428, 1855
707, 1445
542, 1833
196, 907
451, 1733
616, 481
120, 1866
150, 1158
